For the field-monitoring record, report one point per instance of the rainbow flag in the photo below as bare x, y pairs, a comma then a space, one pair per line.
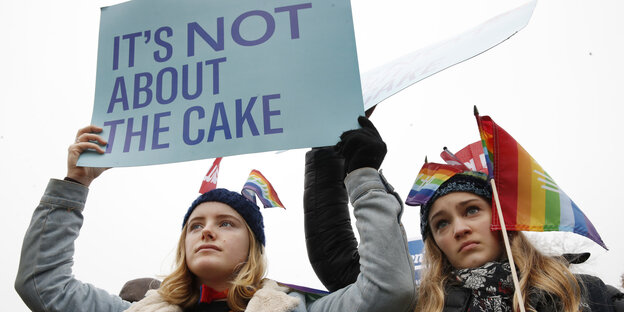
258, 185
429, 179
530, 199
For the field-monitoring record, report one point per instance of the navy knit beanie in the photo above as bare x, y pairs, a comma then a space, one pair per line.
247, 209
462, 182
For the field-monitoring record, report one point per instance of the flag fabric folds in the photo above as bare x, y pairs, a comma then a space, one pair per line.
210, 180
469, 160
429, 179
471, 156
529, 198
258, 185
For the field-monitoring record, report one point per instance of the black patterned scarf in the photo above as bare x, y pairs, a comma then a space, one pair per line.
491, 285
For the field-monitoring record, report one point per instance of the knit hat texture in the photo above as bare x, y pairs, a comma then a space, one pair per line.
247, 209
461, 182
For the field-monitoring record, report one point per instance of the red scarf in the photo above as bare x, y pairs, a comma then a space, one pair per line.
208, 294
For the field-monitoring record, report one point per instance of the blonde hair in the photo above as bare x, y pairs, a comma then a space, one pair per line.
536, 273
181, 286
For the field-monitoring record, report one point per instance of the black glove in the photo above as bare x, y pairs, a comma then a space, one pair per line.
362, 147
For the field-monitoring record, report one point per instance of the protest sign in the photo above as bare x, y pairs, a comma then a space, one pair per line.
193, 79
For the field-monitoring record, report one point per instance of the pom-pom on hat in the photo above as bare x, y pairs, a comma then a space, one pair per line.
247, 209
470, 182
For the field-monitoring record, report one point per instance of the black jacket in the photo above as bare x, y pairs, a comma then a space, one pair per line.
331, 244
457, 298
332, 247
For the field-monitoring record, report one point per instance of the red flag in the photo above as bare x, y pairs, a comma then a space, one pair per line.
471, 156
210, 180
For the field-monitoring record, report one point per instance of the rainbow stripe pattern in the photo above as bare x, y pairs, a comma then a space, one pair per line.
530, 199
429, 179
258, 185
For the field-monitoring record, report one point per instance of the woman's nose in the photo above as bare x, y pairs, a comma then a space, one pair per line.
208, 233
461, 228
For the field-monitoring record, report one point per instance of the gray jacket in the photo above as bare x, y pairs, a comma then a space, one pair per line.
45, 281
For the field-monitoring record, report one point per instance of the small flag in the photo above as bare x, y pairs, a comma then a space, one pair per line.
530, 199
210, 180
258, 185
471, 156
450, 158
429, 179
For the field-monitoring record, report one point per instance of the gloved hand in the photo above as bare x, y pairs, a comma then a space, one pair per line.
362, 147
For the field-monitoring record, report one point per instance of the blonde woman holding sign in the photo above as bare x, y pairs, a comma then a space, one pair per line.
220, 263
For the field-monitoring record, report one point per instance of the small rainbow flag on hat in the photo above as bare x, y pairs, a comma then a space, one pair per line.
258, 185
429, 179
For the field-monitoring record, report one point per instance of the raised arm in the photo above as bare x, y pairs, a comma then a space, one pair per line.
386, 278
44, 278
332, 247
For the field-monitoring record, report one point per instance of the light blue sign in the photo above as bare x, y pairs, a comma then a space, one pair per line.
416, 247
192, 79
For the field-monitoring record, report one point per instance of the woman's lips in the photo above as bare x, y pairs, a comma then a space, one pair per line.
468, 246
208, 247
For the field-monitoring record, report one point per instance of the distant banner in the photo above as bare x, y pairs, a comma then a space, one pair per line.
390, 78
193, 79
416, 250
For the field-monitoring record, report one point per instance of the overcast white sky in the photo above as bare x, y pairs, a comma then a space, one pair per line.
555, 86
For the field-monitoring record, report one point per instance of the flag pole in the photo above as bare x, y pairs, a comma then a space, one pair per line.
514, 274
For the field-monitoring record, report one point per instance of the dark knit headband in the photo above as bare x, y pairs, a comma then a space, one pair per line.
247, 209
460, 182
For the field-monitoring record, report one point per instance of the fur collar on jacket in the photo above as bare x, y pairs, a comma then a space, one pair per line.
270, 298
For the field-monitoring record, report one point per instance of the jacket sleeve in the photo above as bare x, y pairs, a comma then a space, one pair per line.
596, 293
331, 244
44, 278
617, 297
386, 278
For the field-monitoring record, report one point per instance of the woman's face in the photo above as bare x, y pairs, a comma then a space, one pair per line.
460, 224
217, 241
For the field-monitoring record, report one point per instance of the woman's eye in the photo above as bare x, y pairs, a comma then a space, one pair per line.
441, 224
472, 210
195, 227
226, 224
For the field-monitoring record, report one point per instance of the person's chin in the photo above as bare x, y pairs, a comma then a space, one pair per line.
473, 261
206, 263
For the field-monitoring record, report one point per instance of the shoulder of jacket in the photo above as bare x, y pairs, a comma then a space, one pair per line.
272, 298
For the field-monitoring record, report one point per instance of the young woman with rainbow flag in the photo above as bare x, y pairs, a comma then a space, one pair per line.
220, 262
465, 266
